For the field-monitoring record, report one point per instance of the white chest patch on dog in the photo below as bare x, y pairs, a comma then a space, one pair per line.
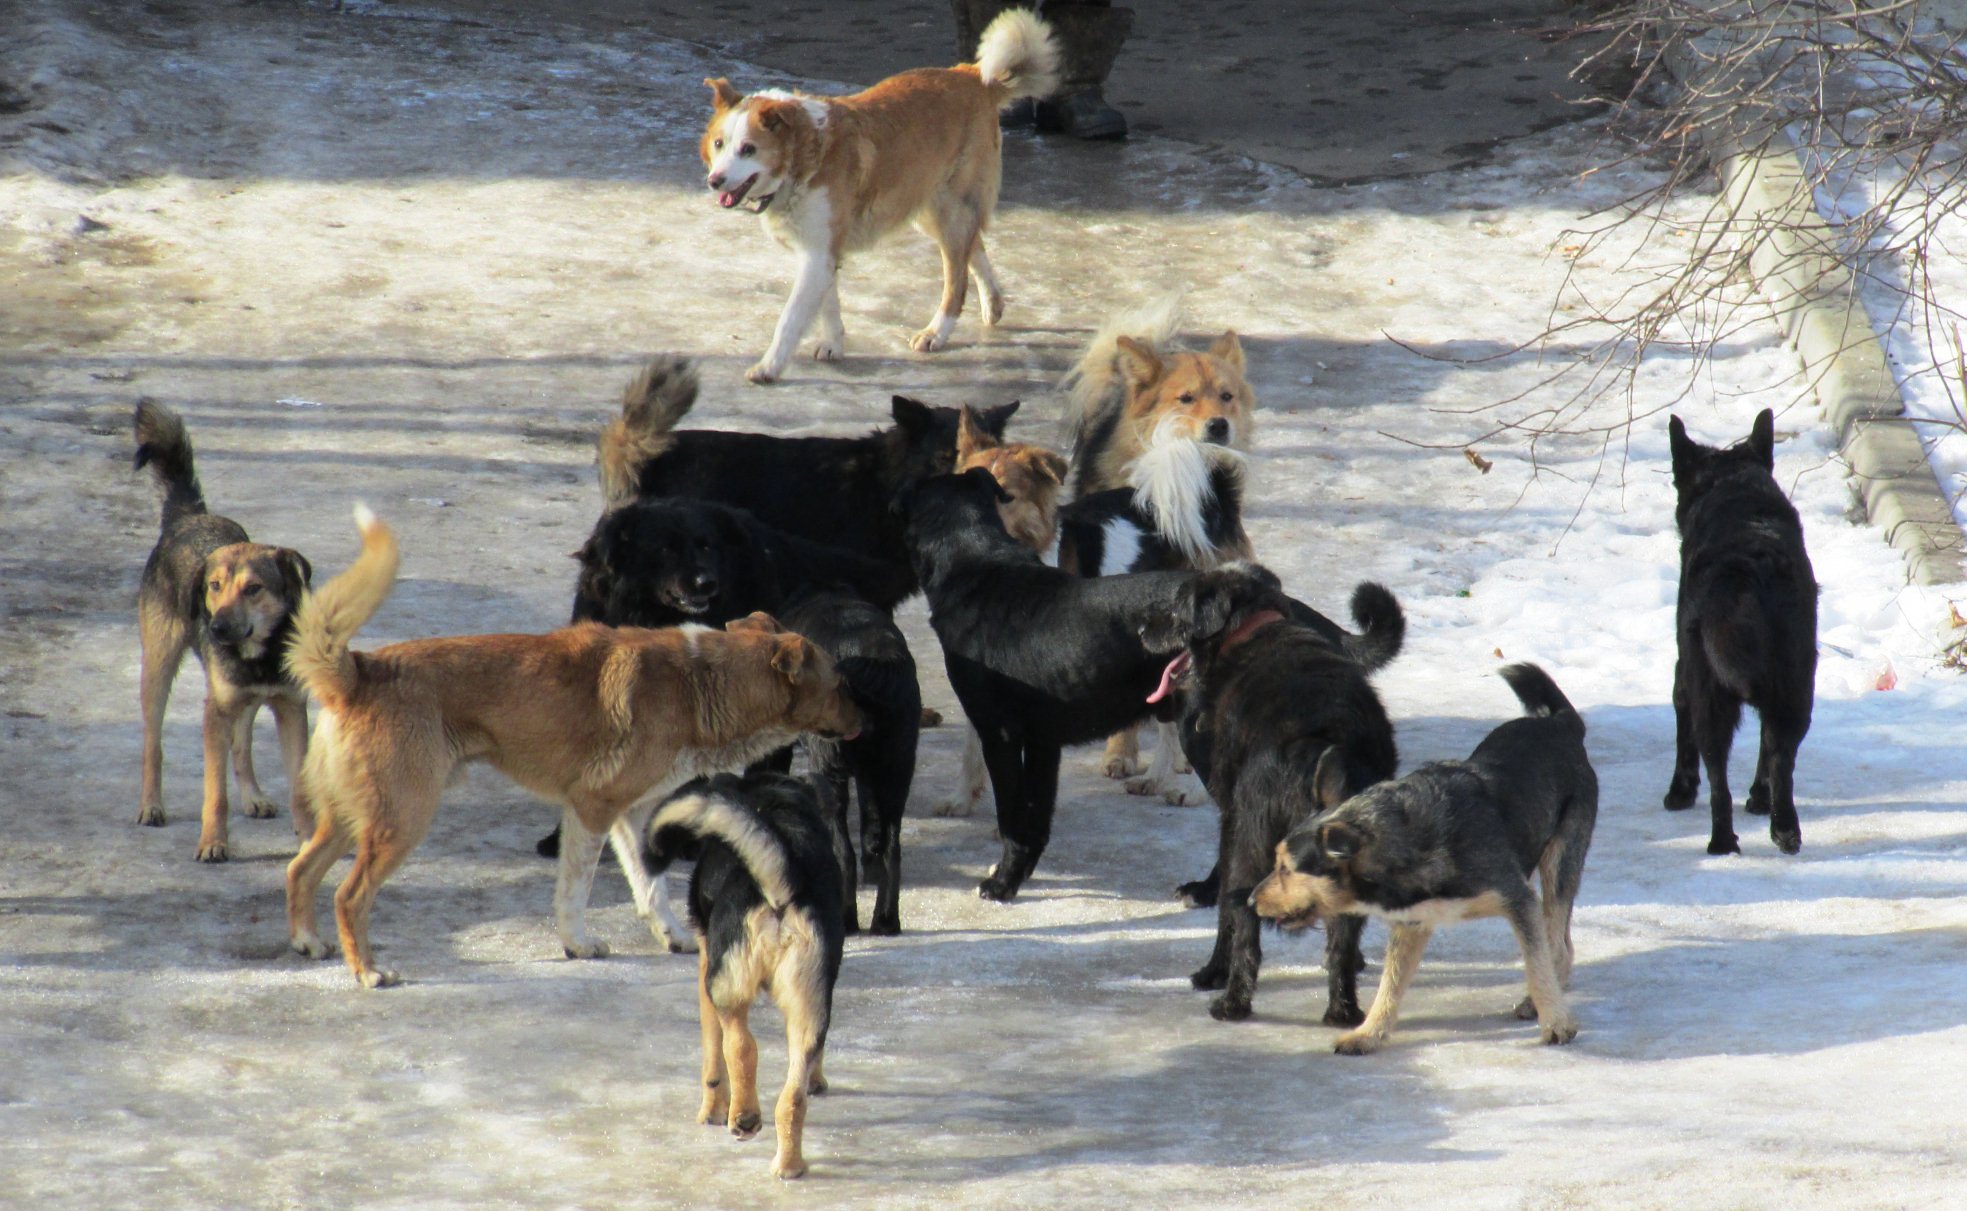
1120, 547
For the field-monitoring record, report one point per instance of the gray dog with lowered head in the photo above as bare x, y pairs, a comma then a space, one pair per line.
1451, 841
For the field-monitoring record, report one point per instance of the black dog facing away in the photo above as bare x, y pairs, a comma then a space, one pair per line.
1746, 627
1266, 700
1454, 840
832, 490
874, 660
765, 904
1039, 658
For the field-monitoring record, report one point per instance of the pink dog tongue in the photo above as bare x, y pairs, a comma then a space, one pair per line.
728, 198
1176, 668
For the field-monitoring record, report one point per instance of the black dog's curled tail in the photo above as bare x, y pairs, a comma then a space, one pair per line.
1539, 694
658, 397
1382, 626
163, 446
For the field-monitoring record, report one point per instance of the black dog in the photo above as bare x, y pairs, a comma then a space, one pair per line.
880, 762
663, 562
765, 902
1746, 626
1449, 842
1268, 699
832, 490
1039, 658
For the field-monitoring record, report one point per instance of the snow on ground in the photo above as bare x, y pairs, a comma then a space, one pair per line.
413, 262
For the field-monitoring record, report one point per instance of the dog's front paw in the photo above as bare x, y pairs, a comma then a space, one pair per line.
714, 1111
1199, 894
1757, 803
309, 945
995, 887
1121, 767
993, 310
761, 374
585, 948
1559, 1031
827, 351
676, 944
213, 851
1718, 845
373, 977
959, 806
788, 1168
1209, 977
259, 807
1185, 792
1680, 795
745, 1123
1226, 1008
1786, 833
1357, 1042
1526, 1010
928, 340
1344, 1013
151, 815
1146, 784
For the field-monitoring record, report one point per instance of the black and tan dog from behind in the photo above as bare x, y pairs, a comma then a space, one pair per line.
598, 720
1746, 626
210, 589
1455, 840
766, 903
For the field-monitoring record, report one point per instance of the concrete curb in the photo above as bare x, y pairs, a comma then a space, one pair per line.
1815, 299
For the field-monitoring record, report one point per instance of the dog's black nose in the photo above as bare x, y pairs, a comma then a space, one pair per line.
717, 180
705, 583
1217, 431
223, 630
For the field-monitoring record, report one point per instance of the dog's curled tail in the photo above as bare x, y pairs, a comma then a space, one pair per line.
164, 447
1538, 693
328, 617
1382, 626
1094, 385
696, 816
1018, 56
659, 396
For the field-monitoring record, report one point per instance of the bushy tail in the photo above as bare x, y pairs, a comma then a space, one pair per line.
1094, 385
1018, 55
1382, 626
656, 399
1538, 693
697, 816
163, 446
329, 616
1174, 481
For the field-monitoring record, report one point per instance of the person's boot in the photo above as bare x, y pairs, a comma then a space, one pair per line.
1089, 36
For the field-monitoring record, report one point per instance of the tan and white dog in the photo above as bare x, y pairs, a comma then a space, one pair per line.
829, 174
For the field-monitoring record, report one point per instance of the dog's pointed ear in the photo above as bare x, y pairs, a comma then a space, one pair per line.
994, 419
299, 572
1051, 466
996, 489
915, 417
1330, 784
1339, 840
757, 622
722, 95
1209, 612
1138, 363
777, 115
1683, 448
1228, 350
972, 438
789, 655
1762, 438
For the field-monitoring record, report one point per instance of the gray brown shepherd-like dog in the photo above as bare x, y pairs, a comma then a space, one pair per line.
596, 719
209, 589
1452, 841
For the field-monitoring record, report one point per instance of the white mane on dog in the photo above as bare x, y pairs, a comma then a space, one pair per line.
1171, 485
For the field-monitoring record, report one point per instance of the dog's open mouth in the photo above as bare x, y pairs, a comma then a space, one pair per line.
1177, 668
1297, 922
737, 197
687, 603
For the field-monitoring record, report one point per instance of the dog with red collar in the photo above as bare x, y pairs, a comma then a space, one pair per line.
1268, 687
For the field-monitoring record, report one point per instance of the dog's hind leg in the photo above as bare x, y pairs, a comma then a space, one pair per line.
650, 892
970, 783
1025, 777
1686, 783
1343, 964
1781, 738
1555, 1022
1208, 894
884, 797
580, 851
716, 1105
829, 779
1717, 713
805, 1030
304, 874
955, 233
990, 299
1403, 955
741, 1068
379, 849
258, 806
164, 643
1123, 754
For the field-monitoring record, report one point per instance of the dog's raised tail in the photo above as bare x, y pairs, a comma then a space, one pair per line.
164, 447
1094, 385
328, 617
1538, 693
1018, 56
1382, 626
661, 394
704, 815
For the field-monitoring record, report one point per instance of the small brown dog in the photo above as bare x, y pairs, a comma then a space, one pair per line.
209, 589
596, 719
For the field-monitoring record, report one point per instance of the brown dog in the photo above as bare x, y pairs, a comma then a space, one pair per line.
208, 589
830, 174
1133, 380
596, 719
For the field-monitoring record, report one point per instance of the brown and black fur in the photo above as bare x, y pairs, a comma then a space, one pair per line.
766, 904
209, 589
1746, 628
595, 719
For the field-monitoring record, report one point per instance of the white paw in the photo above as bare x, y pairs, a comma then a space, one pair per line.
586, 948
374, 978
927, 341
1146, 784
993, 310
761, 374
1121, 767
828, 351
311, 946
676, 944
959, 806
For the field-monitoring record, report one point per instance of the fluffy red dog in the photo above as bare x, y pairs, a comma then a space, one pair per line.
832, 173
